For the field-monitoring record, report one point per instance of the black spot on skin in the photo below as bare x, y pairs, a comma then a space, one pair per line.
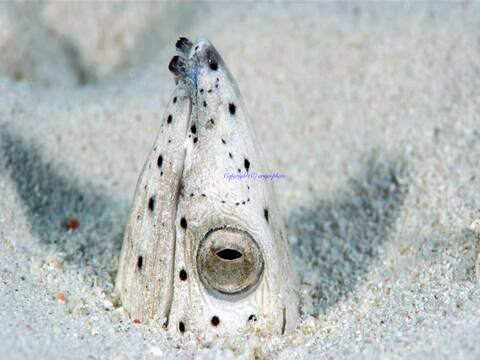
214, 66
223, 142
138, 217
201, 91
239, 171
139, 262
213, 122
195, 139
169, 141
248, 200
223, 201
194, 129
247, 164
183, 223
237, 203
204, 104
204, 195
155, 148
265, 213
232, 108
192, 195
252, 318
181, 327
183, 275
174, 99
215, 320
217, 80
161, 173
160, 161
216, 85
231, 156
248, 187
243, 202
196, 48
169, 119
209, 91
151, 203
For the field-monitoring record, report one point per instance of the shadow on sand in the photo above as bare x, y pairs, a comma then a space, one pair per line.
55, 206
338, 240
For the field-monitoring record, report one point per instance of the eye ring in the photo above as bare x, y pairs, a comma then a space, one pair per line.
229, 262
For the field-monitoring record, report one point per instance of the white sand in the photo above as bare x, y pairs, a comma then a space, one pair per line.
371, 110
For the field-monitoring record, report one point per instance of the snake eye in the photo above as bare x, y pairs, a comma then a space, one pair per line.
229, 261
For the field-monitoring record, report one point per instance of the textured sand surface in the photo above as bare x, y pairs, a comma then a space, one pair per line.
372, 112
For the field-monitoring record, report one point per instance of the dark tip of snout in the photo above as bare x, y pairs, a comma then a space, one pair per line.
206, 53
178, 66
183, 45
212, 58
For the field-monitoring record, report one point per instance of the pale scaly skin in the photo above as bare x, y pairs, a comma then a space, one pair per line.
185, 212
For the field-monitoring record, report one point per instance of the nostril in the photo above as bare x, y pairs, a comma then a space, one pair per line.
178, 66
229, 254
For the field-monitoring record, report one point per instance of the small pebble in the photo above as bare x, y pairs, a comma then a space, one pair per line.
72, 224
61, 297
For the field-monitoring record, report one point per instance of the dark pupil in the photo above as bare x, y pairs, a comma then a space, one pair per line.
229, 254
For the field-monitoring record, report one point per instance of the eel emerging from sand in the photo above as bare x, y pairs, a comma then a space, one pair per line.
203, 252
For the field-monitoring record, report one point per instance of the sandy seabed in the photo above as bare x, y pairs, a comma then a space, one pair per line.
371, 111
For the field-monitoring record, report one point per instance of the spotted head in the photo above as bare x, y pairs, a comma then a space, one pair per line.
205, 247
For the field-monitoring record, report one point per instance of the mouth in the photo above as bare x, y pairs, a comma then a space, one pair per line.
186, 66
191, 58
